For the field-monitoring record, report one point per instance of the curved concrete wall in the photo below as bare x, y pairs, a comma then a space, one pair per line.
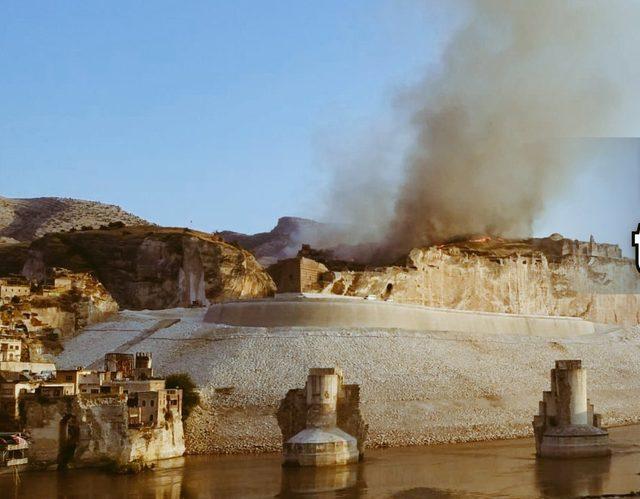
301, 311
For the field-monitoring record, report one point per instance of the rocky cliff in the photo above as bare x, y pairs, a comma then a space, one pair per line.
283, 241
147, 267
28, 219
87, 303
80, 431
541, 277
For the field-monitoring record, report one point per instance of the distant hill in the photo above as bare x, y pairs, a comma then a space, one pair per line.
27, 219
283, 241
327, 241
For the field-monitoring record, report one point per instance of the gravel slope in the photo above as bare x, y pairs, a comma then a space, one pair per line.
416, 387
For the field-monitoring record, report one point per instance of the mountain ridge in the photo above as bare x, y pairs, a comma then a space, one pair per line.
26, 219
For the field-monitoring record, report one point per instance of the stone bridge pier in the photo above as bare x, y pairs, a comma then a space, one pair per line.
566, 425
321, 442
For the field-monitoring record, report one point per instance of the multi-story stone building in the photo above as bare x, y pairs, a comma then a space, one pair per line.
12, 386
10, 349
14, 287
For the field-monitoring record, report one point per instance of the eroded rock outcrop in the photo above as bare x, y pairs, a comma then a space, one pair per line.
526, 279
77, 432
147, 267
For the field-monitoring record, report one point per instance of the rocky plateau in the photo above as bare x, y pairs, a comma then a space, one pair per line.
146, 267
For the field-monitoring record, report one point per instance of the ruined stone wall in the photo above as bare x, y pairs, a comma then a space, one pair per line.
286, 275
310, 272
349, 415
591, 249
297, 275
292, 413
599, 289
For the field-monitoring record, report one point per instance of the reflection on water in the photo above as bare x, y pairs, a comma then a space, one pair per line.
341, 481
557, 478
489, 469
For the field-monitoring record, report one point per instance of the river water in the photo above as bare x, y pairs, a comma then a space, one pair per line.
505, 469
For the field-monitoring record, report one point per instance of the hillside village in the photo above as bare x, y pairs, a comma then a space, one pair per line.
35, 316
121, 414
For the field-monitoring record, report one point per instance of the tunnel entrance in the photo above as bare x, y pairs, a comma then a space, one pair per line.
68, 440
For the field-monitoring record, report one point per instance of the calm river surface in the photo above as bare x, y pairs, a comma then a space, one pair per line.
489, 469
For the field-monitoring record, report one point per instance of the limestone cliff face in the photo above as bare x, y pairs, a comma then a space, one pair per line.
70, 309
152, 268
601, 289
78, 432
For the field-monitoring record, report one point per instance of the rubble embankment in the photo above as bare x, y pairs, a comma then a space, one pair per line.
417, 387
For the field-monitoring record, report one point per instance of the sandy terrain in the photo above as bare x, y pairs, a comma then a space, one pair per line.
417, 387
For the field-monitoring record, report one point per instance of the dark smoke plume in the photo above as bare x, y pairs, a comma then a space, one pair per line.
493, 125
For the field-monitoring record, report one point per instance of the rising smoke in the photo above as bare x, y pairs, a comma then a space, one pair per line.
493, 123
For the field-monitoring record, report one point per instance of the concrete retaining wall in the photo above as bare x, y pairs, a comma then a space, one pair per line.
305, 311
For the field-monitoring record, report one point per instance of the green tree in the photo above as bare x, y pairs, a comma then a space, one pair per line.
190, 395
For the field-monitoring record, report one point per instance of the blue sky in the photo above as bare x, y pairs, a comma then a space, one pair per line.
196, 113
220, 114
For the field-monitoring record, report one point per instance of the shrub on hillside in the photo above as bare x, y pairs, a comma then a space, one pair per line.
190, 395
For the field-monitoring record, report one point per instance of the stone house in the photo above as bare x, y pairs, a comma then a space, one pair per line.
12, 386
79, 377
297, 275
56, 390
10, 349
132, 386
153, 408
91, 381
13, 287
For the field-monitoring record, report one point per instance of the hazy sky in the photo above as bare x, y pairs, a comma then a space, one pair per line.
225, 114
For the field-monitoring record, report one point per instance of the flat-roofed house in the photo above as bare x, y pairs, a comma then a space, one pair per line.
10, 349
12, 386
56, 390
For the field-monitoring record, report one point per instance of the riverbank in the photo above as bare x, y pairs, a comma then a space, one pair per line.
418, 387
505, 469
